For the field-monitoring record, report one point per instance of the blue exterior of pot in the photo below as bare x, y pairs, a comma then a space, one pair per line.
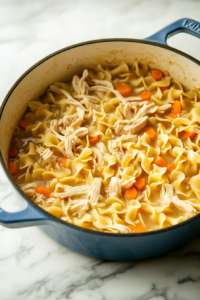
109, 246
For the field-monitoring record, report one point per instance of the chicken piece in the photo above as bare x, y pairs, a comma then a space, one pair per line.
105, 83
74, 191
73, 139
144, 110
164, 107
115, 146
98, 156
128, 183
95, 192
54, 129
102, 148
46, 154
79, 121
80, 85
130, 127
101, 88
115, 187
33, 105
128, 110
78, 207
168, 197
121, 228
90, 102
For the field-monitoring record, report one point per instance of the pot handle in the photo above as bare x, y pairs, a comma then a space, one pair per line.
29, 216
183, 25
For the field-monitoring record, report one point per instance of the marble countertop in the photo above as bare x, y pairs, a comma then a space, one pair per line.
32, 266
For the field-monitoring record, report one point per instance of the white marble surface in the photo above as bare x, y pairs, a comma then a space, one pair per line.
31, 265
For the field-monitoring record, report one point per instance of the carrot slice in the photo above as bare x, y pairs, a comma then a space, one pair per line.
94, 139
170, 168
177, 107
156, 74
139, 211
42, 190
145, 96
12, 168
124, 89
63, 161
138, 229
159, 161
186, 134
173, 115
23, 124
140, 184
131, 193
151, 133
163, 88
13, 152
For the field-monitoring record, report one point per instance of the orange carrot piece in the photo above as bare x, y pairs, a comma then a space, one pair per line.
140, 184
94, 139
163, 88
156, 74
13, 152
145, 96
139, 211
131, 193
139, 229
151, 133
12, 168
186, 134
159, 161
173, 115
124, 89
177, 108
63, 161
23, 124
170, 168
42, 190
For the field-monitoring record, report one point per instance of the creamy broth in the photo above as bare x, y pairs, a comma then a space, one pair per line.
114, 150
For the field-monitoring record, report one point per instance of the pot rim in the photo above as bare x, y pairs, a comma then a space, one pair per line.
16, 187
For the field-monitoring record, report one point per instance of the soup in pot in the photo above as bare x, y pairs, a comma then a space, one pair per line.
114, 150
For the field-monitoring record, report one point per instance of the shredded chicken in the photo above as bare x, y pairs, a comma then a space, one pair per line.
167, 196
54, 128
115, 146
121, 228
74, 191
95, 192
46, 154
73, 140
106, 89
115, 187
102, 148
130, 127
128, 183
80, 85
78, 207
105, 83
128, 110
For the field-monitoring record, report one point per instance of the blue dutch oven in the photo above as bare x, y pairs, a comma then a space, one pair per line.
62, 65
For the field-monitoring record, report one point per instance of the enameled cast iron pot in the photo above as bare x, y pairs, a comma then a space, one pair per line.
62, 65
